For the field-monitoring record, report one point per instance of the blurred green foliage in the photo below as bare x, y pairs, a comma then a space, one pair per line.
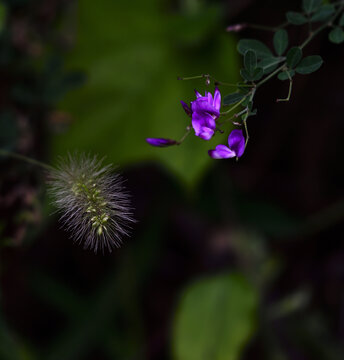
215, 319
132, 60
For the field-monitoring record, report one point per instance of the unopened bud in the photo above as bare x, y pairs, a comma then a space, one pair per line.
236, 27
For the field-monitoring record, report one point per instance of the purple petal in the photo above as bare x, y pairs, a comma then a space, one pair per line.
198, 95
204, 125
186, 108
160, 142
217, 99
201, 105
236, 142
221, 152
206, 133
210, 98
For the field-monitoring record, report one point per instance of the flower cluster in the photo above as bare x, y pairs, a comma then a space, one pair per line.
204, 112
94, 205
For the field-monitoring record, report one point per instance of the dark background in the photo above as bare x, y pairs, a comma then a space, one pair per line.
102, 77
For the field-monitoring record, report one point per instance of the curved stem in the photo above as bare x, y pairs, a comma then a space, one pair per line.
188, 129
25, 158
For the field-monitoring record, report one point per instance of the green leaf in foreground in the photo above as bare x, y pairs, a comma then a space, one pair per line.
309, 64
336, 35
232, 98
280, 41
260, 48
310, 5
296, 18
294, 56
323, 13
215, 319
284, 75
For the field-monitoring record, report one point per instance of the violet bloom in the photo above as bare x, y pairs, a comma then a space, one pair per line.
236, 142
205, 112
161, 142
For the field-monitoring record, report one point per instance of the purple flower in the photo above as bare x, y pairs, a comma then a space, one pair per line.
161, 142
236, 142
205, 112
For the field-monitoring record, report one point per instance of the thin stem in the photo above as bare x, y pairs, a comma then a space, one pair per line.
270, 76
322, 27
290, 88
191, 77
245, 118
267, 28
25, 158
235, 106
216, 82
188, 129
235, 116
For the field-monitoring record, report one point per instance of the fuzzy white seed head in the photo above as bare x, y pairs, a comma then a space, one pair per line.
93, 203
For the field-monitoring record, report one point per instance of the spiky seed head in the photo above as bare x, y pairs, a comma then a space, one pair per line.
93, 203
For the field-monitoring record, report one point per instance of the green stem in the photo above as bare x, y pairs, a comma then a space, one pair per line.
235, 116
322, 27
25, 158
270, 76
267, 28
290, 88
245, 118
188, 129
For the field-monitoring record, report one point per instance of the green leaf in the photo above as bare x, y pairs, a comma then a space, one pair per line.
250, 61
254, 76
323, 13
336, 35
309, 64
258, 74
270, 64
310, 5
280, 41
215, 319
284, 75
296, 18
261, 49
341, 20
294, 56
232, 98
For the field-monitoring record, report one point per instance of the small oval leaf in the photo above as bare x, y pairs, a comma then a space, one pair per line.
232, 98
323, 13
280, 41
261, 49
310, 5
284, 75
257, 74
294, 56
250, 60
270, 64
296, 18
309, 64
336, 35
